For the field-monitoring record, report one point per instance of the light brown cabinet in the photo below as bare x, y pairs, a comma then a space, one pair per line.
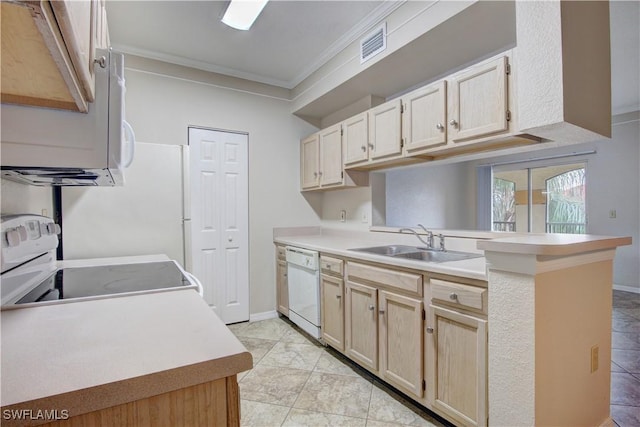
463, 110
383, 327
321, 165
361, 324
424, 120
382, 140
401, 357
456, 358
332, 301
282, 284
48, 52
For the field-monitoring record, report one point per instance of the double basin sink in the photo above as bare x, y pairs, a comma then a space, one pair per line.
418, 253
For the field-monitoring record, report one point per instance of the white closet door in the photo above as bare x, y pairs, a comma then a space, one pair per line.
220, 220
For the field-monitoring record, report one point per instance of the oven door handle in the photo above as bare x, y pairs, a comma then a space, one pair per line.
193, 279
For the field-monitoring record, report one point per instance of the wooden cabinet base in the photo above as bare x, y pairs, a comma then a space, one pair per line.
216, 403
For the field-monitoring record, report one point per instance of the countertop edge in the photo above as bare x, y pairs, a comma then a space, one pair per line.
553, 247
103, 396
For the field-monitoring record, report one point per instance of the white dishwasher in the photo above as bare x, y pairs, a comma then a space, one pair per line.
303, 274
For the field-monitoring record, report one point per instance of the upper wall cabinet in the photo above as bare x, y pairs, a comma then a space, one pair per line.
424, 122
469, 110
321, 163
356, 138
48, 52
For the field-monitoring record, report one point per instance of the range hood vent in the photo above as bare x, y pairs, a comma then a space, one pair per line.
373, 44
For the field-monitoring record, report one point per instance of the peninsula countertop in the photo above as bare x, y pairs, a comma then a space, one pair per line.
89, 355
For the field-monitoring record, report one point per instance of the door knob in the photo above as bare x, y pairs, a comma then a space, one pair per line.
230, 239
429, 330
453, 123
371, 307
439, 126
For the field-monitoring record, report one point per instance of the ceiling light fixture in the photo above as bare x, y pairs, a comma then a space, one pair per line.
241, 14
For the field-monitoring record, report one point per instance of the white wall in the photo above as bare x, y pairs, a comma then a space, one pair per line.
435, 196
160, 107
19, 198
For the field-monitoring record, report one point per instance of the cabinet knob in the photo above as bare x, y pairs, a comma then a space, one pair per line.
285, 274
338, 296
453, 296
371, 307
429, 330
381, 311
439, 126
315, 174
371, 146
453, 123
364, 148
320, 173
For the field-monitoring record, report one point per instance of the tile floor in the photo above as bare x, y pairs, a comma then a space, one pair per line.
625, 359
297, 382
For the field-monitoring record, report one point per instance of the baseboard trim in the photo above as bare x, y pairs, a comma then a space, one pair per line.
256, 317
632, 289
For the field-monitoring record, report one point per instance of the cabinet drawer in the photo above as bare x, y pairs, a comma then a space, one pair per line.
332, 265
456, 294
282, 253
384, 277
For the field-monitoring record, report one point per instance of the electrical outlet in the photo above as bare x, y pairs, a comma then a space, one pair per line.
44, 212
612, 213
594, 358
365, 217
343, 215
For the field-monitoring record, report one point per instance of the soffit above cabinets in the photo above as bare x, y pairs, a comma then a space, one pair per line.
477, 32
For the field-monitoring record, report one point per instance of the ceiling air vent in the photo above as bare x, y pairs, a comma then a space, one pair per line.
374, 43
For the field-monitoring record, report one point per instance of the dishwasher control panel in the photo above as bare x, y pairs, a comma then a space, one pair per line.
303, 258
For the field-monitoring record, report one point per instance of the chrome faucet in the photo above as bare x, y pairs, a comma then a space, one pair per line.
428, 242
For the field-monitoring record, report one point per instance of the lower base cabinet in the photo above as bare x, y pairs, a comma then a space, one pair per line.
361, 324
332, 296
457, 366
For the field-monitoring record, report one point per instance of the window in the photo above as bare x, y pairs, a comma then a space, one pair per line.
548, 199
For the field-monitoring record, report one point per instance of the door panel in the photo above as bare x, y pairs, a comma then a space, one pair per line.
310, 162
331, 155
332, 311
356, 139
424, 121
361, 315
384, 130
219, 205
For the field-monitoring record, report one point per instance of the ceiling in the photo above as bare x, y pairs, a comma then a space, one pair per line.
291, 39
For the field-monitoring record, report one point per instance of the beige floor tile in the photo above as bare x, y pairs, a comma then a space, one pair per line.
303, 418
272, 329
626, 416
293, 355
330, 364
242, 374
295, 336
374, 423
335, 394
388, 407
267, 384
258, 347
258, 414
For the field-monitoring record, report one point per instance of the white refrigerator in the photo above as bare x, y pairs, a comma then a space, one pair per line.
145, 216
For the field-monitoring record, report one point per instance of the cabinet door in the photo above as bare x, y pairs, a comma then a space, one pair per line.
478, 101
384, 130
356, 139
331, 156
282, 288
76, 20
361, 328
309, 162
401, 341
457, 365
424, 121
332, 311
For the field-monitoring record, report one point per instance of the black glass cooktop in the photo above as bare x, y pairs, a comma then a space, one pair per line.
80, 282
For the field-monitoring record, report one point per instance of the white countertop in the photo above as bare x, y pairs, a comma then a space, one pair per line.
474, 268
90, 355
553, 244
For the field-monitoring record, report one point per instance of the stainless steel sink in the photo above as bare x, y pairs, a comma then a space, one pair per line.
438, 256
389, 250
418, 253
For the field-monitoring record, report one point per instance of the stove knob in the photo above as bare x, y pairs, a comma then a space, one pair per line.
22, 231
53, 228
13, 237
